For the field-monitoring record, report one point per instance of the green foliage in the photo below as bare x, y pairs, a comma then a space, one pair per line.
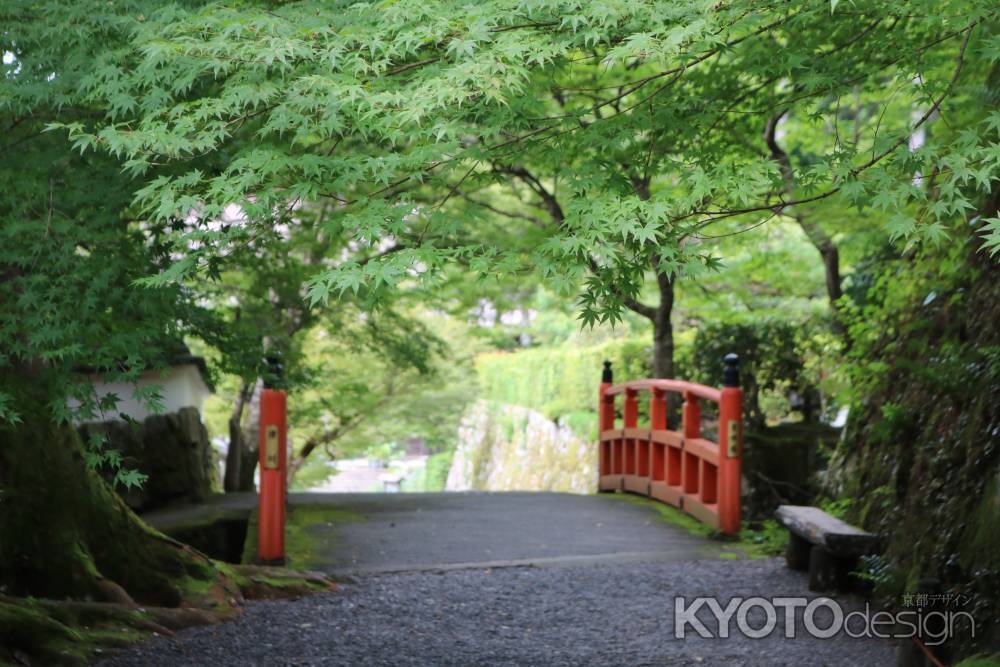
881, 573
397, 140
71, 247
376, 381
919, 456
905, 324
313, 473
561, 380
981, 660
299, 168
769, 272
436, 471
840, 507
774, 364
634, 128
764, 539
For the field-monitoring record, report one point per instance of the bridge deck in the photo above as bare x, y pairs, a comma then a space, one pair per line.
409, 532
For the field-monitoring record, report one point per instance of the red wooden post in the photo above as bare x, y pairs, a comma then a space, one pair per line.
658, 410
630, 419
657, 422
692, 416
606, 420
606, 408
630, 412
273, 467
730, 447
691, 464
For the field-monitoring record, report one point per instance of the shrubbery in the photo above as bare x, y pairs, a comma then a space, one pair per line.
559, 381
775, 372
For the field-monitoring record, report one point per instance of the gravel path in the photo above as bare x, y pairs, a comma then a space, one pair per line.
518, 579
571, 615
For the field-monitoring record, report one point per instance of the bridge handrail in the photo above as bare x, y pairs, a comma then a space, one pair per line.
676, 386
679, 466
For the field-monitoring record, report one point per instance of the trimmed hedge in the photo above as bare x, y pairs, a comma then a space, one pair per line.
559, 381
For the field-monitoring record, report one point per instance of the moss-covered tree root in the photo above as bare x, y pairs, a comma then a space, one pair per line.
76, 563
71, 632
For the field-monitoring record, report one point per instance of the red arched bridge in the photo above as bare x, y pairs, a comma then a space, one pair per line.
683, 466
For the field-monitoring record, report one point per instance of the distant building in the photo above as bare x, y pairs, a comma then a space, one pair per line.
417, 447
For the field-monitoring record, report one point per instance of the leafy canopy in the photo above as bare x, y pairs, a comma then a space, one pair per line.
390, 110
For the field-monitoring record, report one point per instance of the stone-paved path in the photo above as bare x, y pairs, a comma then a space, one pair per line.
508, 579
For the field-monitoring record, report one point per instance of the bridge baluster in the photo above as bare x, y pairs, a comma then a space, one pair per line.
692, 429
630, 420
658, 409
657, 422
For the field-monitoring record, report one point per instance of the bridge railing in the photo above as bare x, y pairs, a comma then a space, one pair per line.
681, 467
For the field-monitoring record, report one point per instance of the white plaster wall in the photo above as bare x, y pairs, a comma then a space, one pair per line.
181, 387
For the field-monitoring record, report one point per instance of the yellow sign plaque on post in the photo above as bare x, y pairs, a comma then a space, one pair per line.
271, 444
733, 441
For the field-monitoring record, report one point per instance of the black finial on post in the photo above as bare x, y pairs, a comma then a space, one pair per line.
731, 372
274, 371
607, 376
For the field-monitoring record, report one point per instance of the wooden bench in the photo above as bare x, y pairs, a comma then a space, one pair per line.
824, 545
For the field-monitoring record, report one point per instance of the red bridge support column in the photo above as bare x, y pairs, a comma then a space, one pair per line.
730, 447
607, 403
606, 422
273, 467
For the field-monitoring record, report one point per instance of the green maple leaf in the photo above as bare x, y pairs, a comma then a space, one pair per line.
130, 478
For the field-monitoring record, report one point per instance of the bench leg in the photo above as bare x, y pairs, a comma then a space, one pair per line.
797, 552
827, 572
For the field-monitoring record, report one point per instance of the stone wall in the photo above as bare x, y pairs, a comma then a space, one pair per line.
173, 449
510, 448
919, 462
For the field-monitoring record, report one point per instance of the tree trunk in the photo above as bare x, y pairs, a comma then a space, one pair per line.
65, 533
663, 330
241, 457
237, 441
251, 441
828, 252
